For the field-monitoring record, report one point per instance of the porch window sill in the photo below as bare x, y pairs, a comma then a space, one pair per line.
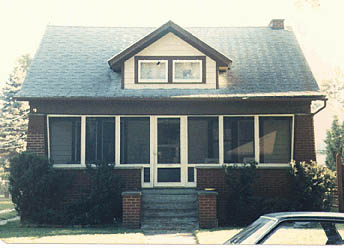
82, 166
259, 166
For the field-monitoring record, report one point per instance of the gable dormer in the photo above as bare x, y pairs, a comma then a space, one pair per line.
169, 57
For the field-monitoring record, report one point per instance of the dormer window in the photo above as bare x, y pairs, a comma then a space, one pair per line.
170, 69
152, 71
185, 71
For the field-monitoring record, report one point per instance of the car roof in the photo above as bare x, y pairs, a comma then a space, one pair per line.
305, 214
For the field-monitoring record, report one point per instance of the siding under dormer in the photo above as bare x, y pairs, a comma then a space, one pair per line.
169, 45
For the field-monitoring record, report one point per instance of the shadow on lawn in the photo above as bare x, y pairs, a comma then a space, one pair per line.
12, 230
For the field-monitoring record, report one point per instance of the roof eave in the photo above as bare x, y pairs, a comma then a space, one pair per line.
178, 98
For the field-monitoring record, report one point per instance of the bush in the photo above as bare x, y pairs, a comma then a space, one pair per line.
103, 203
311, 187
35, 188
240, 201
310, 191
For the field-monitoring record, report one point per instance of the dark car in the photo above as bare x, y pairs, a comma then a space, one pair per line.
293, 228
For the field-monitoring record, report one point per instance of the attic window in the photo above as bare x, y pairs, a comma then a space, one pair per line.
187, 71
170, 69
150, 71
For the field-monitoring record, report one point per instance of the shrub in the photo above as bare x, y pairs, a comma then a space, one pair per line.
35, 188
310, 191
103, 203
311, 186
240, 201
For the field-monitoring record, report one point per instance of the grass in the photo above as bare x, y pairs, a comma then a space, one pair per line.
8, 215
6, 205
12, 232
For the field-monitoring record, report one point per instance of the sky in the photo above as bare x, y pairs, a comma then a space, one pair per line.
318, 28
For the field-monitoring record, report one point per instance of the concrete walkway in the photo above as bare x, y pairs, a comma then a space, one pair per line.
169, 238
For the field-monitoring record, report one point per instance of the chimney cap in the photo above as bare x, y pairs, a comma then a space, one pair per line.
277, 24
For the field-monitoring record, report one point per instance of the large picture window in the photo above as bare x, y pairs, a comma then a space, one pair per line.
100, 139
275, 139
135, 140
203, 140
238, 139
65, 140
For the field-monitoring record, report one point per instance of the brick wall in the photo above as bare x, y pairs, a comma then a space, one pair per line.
36, 135
81, 181
269, 183
131, 209
304, 143
207, 207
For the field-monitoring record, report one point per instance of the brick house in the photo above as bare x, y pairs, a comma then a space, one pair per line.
169, 107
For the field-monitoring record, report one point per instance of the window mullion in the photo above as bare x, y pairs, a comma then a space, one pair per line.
83, 141
256, 139
221, 142
117, 140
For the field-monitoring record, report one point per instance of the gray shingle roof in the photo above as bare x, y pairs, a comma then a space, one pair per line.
71, 62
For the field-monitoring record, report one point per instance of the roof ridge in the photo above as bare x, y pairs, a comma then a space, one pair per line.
80, 26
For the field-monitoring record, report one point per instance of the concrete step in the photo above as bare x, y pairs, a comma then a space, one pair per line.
148, 205
171, 220
170, 213
155, 198
169, 209
169, 191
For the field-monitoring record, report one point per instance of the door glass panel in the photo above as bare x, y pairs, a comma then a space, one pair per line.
168, 141
167, 175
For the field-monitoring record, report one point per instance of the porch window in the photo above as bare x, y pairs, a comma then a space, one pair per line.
135, 140
100, 139
203, 141
65, 140
238, 139
275, 139
168, 141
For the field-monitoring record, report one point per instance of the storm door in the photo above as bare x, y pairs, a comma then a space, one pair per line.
168, 170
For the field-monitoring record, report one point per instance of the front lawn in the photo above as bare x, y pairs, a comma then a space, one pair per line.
6, 204
13, 233
8, 215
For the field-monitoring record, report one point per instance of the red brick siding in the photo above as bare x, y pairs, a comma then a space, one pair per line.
207, 210
304, 143
131, 210
36, 135
269, 183
131, 179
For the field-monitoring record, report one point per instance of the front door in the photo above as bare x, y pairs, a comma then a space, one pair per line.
168, 169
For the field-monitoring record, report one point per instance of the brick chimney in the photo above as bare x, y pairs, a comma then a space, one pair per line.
277, 24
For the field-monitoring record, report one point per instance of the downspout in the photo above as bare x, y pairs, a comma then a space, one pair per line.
324, 106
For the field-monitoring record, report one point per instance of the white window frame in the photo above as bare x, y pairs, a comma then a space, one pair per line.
140, 80
174, 80
184, 141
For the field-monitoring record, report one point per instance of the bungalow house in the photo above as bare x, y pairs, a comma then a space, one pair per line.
169, 107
